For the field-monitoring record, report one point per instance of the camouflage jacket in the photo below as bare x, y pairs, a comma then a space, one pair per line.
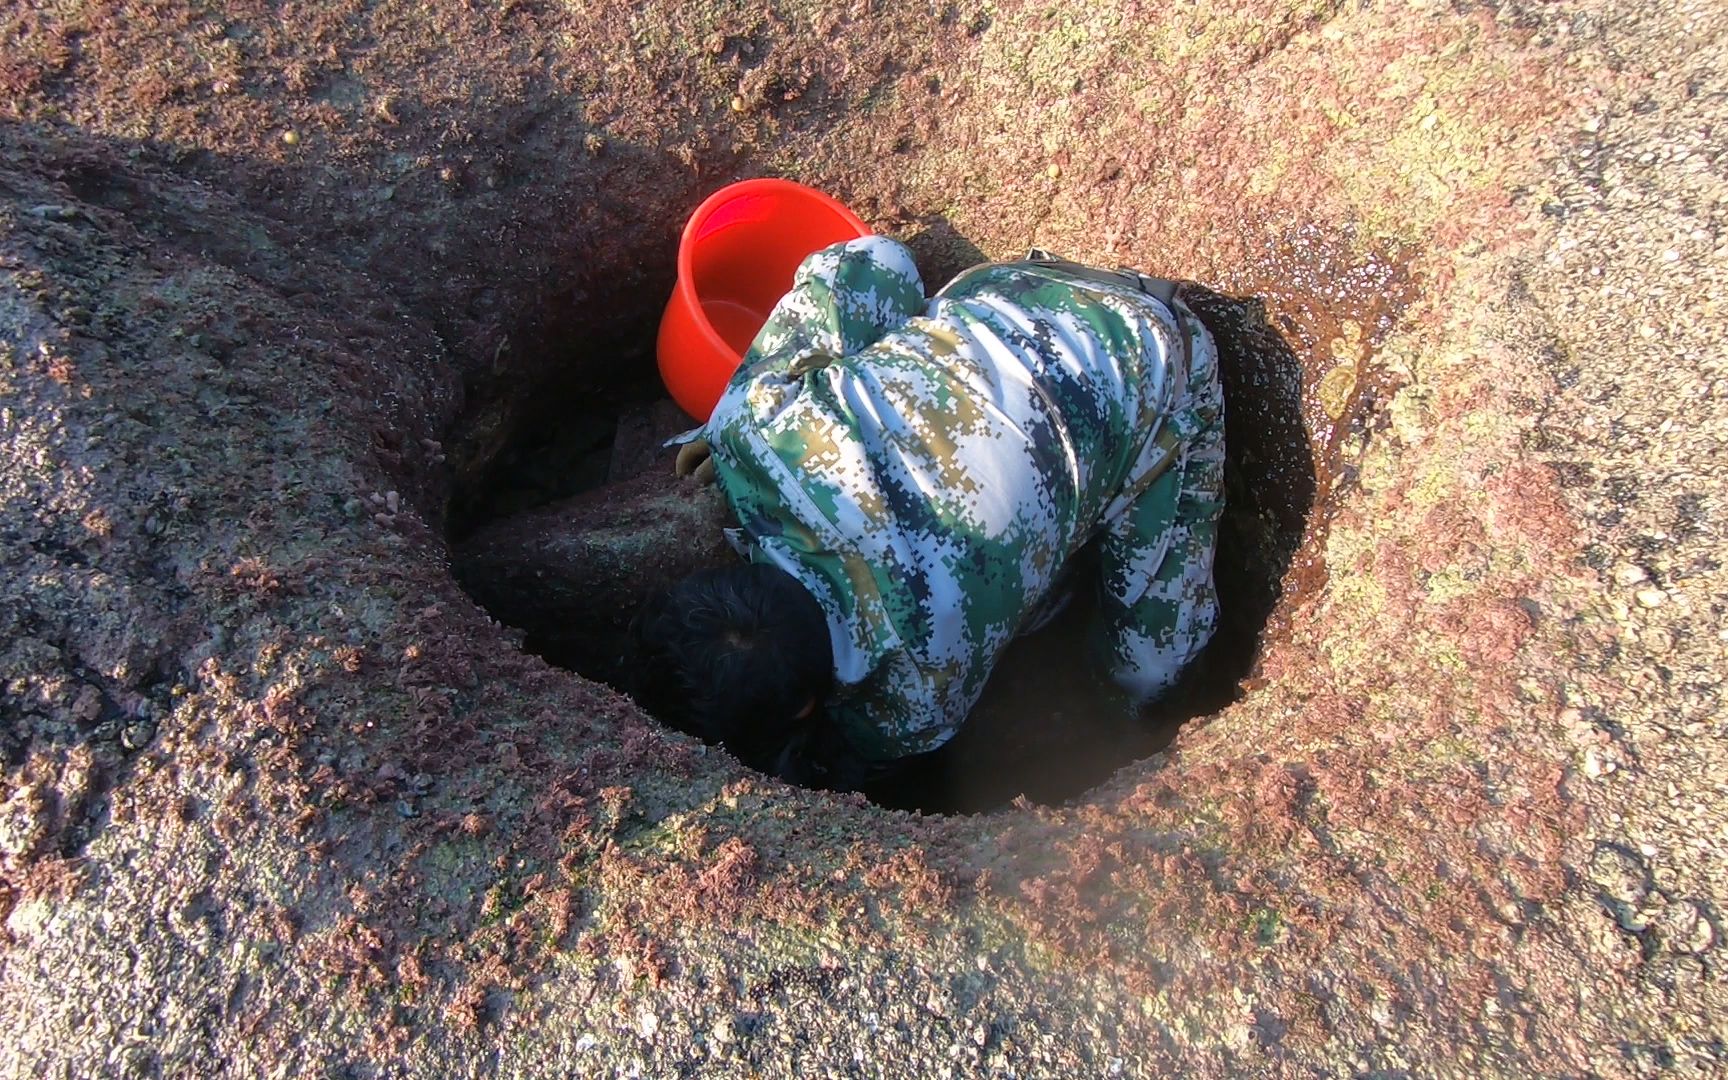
927, 467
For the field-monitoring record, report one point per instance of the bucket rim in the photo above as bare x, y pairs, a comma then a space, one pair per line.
685, 287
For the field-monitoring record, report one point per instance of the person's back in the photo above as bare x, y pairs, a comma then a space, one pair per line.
926, 471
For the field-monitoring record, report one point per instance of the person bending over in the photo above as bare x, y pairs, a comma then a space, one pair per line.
911, 477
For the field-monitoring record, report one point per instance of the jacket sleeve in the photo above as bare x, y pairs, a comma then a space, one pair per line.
844, 298
1159, 605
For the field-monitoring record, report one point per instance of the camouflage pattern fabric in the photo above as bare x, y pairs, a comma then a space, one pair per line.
926, 469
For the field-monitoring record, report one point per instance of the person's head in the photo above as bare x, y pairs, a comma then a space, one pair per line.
738, 656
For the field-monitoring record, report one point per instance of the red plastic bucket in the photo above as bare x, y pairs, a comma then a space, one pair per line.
735, 261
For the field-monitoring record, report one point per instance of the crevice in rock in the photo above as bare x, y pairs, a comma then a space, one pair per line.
564, 518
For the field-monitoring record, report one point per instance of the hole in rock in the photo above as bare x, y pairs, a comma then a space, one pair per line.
565, 515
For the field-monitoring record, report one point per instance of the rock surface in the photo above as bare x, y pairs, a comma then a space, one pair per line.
279, 799
572, 573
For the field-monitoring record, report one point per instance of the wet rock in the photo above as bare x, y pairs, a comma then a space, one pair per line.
55, 212
25, 822
640, 443
1681, 927
724, 1031
1627, 575
1621, 875
1677, 974
573, 574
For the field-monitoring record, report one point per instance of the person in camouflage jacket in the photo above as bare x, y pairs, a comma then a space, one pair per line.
925, 469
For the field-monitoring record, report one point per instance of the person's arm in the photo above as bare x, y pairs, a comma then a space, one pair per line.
844, 298
1159, 605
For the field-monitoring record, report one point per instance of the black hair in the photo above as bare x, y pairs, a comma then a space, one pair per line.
733, 655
